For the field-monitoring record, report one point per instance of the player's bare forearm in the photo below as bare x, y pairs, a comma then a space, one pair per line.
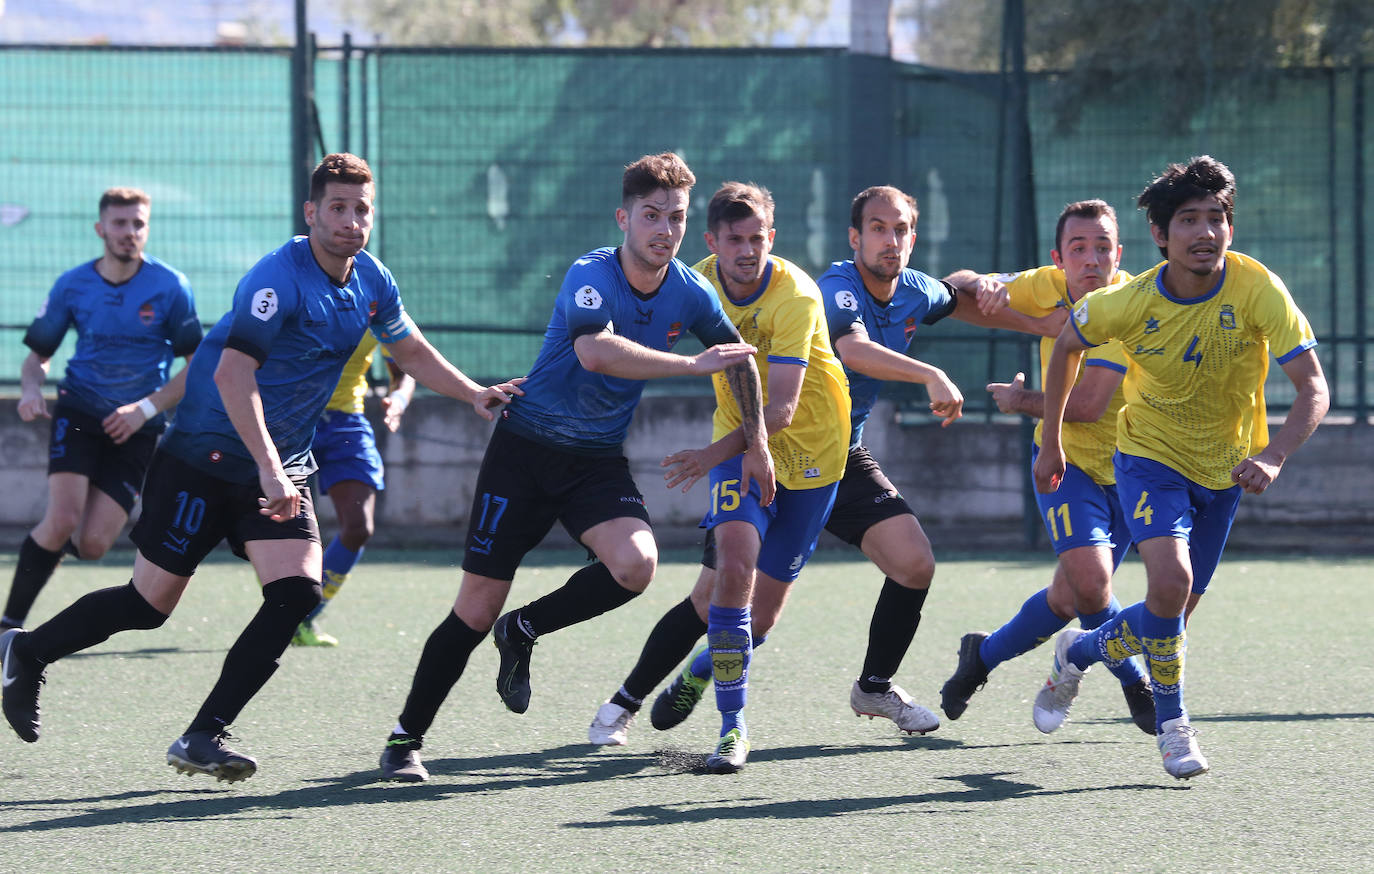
236, 379
32, 374
1313, 399
743, 379
414, 355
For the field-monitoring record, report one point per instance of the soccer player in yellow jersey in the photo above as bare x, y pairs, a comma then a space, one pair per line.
1086, 525
777, 309
1198, 330
350, 471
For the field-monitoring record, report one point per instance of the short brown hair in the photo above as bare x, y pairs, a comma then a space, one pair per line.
338, 167
1087, 209
124, 197
739, 200
856, 209
652, 172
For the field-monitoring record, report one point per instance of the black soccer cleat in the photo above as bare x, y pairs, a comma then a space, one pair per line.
205, 752
401, 760
970, 676
513, 677
21, 678
675, 703
1140, 698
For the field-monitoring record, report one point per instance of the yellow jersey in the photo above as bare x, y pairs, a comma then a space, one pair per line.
1087, 445
785, 321
1195, 388
352, 388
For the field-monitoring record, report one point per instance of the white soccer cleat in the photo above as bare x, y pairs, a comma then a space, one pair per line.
611, 727
894, 704
1054, 699
1178, 744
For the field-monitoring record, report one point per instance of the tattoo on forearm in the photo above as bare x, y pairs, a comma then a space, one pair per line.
744, 384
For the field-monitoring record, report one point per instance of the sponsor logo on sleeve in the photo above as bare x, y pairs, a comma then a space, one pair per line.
846, 300
1004, 278
264, 304
588, 298
1080, 314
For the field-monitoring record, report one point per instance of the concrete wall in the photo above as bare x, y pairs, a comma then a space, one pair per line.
965, 481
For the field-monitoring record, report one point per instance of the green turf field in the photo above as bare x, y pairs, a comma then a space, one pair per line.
1279, 681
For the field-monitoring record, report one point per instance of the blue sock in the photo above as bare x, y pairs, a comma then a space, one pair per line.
727, 631
701, 665
1164, 642
1125, 670
1032, 625
338, 561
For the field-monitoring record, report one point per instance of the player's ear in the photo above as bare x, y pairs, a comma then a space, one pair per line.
710, 239
309, 213
854, 238
1057, 258
622, 219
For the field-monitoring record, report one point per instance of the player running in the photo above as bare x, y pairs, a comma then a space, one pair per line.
1084, 519
556, 455
133, 314
1198, 330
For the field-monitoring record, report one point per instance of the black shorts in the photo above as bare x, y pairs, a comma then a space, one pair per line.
78, 444
187, 512
524, 487
865, 497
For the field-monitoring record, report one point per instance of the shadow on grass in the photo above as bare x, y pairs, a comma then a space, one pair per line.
567, 765
1246, 717
151, 652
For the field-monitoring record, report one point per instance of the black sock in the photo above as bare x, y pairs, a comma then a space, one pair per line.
895, 618
255, 656
669, 643
31, 574
441, 664
89, 620
587, 594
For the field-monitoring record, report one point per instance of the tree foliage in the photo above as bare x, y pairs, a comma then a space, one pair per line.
648, 23
1188, 52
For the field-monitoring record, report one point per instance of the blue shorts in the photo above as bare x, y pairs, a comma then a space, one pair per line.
1161, 502
1083, 512
788, 527
345, 448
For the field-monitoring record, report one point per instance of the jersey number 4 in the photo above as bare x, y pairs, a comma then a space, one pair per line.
1144, 510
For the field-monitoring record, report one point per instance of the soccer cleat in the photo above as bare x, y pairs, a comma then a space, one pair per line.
1054, 699
611, 727
308, 635
1178, 744
1141, 701
204, 752
401, 760
894, 704
675, 703
969, 676
21, 678
513, 677
730, 754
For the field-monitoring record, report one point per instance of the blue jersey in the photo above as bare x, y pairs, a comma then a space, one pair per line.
301, 327
568, 406
849, 308
126, 334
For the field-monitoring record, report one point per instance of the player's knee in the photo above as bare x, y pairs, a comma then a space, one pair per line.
294, 596
355, 532
635, 572
916, 572
62, 522
139, 613
91, 548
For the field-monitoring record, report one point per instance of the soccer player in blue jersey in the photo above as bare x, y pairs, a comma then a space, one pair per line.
753, 548
556, 455
351, 472
132, 314
1198, 330
1083, 518
235, 463
873, 305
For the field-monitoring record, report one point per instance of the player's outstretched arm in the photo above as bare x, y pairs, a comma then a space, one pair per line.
32, 374
398, 394
1050, 464
614, 355
1087, 402
236, 379
125, 421
859, 352
1256, 473
414, 354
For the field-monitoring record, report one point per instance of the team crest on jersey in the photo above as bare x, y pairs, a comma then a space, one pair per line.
1080, 314
846, 300
1228, 317
674, 331
216, 456
588, 298
264, 304
909, 329
146, 314
372, 309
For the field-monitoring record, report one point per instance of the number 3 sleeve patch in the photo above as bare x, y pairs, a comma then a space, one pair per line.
264, 305
588, 298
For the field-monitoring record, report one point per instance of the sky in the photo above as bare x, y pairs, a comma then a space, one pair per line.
195, 22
